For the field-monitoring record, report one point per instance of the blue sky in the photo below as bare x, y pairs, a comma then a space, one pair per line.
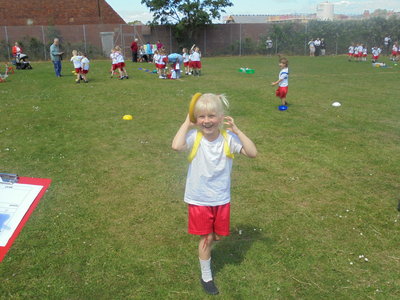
131, 10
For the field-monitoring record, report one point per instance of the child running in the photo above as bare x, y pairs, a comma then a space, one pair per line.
208, 180
85, 67
114, 63
76, 60
121, 63
283, 80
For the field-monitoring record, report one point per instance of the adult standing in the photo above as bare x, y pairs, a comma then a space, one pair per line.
387, 41
159, 45
317, 45
134, 48
56, 56
269, 44
322, 47
311, 47
149, 52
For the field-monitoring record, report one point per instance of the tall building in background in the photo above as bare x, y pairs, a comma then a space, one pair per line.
325, 11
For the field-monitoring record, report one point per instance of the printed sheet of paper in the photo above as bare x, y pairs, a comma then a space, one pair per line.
15, 201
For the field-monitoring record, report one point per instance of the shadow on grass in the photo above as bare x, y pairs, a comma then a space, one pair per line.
232, 250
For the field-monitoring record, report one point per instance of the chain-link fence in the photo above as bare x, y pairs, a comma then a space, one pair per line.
222, 39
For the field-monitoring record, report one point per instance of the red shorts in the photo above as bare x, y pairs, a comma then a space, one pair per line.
114, 67
160, 66
186, 64
196, 64
84, 71
78, 70
281, 92
350, 54
394, 53
375, 57
208, 219
121, 65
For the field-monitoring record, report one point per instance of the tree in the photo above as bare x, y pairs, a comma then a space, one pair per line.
186, 16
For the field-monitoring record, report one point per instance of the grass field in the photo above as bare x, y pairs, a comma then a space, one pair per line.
322, 191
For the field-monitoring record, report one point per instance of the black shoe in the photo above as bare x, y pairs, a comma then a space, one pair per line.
209, 287
77, 81
121, 78
126, 77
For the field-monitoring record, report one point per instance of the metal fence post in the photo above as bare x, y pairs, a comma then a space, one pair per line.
122, 40
205, 40
240, 39
44, 44
8, 43
84, 36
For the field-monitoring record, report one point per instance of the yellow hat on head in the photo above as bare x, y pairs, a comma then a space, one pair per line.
192, 105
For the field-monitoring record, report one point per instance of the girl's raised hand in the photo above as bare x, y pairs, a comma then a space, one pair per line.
231, 124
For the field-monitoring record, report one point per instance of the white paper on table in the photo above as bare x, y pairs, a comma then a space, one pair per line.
15, 200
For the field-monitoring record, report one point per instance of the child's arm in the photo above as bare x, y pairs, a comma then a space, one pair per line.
249, 149
276, 82
179, 142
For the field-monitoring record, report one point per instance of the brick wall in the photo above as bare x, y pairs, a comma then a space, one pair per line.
53, 12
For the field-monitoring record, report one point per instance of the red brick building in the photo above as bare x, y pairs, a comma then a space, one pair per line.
54, 12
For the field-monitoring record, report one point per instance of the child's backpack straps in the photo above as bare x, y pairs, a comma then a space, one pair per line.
227, 150
196, 145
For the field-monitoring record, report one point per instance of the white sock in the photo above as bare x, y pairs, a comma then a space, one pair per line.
205, 266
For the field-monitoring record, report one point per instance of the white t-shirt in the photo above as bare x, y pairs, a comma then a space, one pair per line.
208, 181
365, 51
185, 57
85, 63
351, 49
113, 57
76, 60
119, 57
195, 56
284, 74
161, 60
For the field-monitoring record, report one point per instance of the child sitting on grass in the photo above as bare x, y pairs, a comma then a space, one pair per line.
208, 181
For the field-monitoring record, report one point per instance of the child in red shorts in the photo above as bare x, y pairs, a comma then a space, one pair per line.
208, 181
85, 67
283, 80
76, 60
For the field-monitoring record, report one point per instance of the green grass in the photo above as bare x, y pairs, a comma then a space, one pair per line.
322, 191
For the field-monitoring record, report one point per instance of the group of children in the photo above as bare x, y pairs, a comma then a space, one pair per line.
191, 61
81, 66
358, 52
118, 63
